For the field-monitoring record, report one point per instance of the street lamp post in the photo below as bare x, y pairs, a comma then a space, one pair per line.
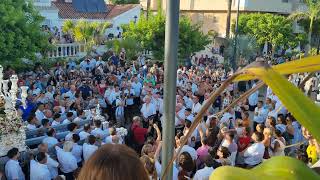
235, 42
170, 80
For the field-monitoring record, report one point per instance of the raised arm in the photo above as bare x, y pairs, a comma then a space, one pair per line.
155, 126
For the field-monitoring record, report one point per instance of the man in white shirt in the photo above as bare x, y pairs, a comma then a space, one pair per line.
204, 173
38, 168
187, 148
32, 123
77, 149
86, 132
253, 99
51, 163
89, 148
12, 168
260, 114
39, 113
69, 118
180, 114
187, 99
148, 109
50, 140
98, 132
188, 115
66, 159
158, 102
253, 155
72, 127
196, 106
56, 119
137, 87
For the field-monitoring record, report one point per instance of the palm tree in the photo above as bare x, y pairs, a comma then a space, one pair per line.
312, 14
89, 33
228, 19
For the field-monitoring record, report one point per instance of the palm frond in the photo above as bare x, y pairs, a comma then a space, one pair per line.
299, 15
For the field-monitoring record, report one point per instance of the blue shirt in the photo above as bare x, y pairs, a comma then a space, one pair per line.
115, 60
27, 111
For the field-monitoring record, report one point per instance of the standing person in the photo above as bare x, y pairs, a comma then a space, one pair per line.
204, 173
120, 108
86, 132
12, 168
77, 149
253, 99
186, 163
51, 163
89, 148
66, 159
253, 155
244, 139
129, 94
98, 132
139, 133
148, 109
137, 87
196, 107
50, 140
259, 114
38, 168
278, 144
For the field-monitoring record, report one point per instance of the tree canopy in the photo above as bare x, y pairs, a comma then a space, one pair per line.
151, 34
311, 15
275, 29
89, 33
20, 31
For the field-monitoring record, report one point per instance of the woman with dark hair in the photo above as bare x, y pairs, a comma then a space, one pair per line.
186, 163
111, 162
278, 144
222, 155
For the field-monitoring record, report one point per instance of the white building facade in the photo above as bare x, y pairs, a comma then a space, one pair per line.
56, 12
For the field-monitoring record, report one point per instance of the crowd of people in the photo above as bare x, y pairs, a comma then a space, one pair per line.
130, 94
57, 36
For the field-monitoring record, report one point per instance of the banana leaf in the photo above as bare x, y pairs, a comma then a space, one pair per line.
281, 167
309, 64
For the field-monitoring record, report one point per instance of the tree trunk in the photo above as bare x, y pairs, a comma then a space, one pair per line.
228, 19
273, 49
308, 46
148, 8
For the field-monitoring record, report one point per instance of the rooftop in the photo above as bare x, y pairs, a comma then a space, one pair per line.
67, 11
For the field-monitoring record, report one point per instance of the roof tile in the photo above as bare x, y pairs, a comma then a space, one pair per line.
66, 11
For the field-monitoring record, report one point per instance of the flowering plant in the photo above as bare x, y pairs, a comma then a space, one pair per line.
12, 132
122, 131
10, 123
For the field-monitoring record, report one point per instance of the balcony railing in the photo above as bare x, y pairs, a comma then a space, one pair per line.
67, 50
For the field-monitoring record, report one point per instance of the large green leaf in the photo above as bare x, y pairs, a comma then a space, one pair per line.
309, 64
276, 168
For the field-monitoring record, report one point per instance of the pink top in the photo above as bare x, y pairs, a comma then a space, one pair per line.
202, 151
